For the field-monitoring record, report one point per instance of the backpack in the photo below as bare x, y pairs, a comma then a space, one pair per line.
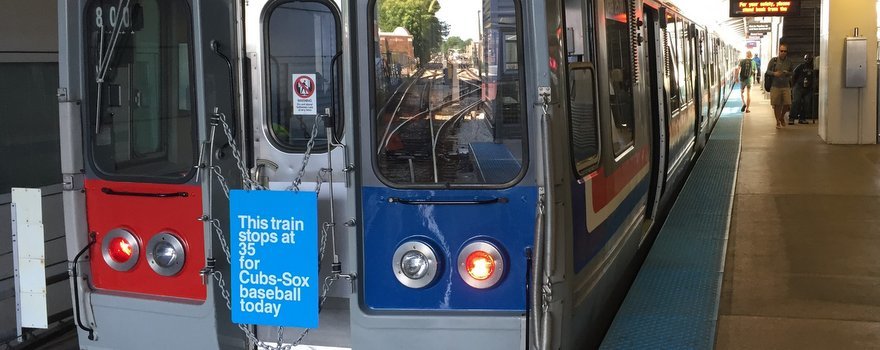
745, 69
768, 75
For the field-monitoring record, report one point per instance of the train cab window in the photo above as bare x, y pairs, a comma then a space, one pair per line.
448, 96
140, 89
620, 75
582, 118
302, 47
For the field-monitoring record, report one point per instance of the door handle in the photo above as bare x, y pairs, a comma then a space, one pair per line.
259, 172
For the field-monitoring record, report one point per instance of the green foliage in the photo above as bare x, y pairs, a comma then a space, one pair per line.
456, 43
419, 18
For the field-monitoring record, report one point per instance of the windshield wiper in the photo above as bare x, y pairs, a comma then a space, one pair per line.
104, 58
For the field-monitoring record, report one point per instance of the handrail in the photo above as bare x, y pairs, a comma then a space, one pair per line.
112, 192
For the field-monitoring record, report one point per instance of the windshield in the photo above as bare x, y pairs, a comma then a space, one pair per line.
448, 92
140, 90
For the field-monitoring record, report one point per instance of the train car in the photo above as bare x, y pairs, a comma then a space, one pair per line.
499, 205
471, 237
148, 127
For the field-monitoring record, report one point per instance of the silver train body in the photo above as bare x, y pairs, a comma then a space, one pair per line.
495, 192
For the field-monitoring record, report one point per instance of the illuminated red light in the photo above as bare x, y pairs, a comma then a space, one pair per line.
480, 265
120, 250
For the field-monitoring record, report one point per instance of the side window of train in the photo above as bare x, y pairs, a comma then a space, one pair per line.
620, 73
140, 90
683, 68
303, 72
670, 41
583, 117
448, 108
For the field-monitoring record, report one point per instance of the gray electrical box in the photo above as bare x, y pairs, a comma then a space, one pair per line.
856, 62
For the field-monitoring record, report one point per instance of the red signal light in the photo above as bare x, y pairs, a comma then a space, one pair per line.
120, 250
480, 265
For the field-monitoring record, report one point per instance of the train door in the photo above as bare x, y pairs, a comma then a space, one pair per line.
295, 52
701, 91
135, 113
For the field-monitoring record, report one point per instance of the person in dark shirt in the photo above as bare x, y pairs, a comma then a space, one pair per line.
802, 95
780, 68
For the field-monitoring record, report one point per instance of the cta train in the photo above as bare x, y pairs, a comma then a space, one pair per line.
488, 172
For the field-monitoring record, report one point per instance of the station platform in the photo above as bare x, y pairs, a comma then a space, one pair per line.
774, 243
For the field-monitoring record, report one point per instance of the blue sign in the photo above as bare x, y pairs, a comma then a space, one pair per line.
274, 248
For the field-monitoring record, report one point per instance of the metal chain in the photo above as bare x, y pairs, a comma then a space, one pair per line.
223, 244
328, 281
302, 170
251, 184
245, 176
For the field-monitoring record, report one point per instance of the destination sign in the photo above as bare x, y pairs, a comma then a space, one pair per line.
758, 8
759, 28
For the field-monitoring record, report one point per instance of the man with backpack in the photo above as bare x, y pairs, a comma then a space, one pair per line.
746, 72
802, 94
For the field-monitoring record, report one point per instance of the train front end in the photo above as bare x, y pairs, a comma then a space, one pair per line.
145, 102
447, 200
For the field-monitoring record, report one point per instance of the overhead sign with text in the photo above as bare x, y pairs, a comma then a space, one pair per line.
759, 28
274, 244
757, 8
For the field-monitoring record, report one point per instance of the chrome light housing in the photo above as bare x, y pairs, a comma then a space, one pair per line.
480, 264
165, 254
120, 249
415, 264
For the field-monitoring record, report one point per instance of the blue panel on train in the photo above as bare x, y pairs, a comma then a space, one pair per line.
495, 162
510, 224
274, 238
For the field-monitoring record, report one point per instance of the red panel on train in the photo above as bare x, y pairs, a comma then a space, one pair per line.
126, 207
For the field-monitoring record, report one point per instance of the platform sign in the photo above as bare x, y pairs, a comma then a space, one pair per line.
304, 101
763, 8
274, 246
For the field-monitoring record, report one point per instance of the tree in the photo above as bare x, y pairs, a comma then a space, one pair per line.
419, 18
456, 43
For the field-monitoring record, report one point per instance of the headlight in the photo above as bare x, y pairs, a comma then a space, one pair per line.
120, 249
414, 264
165, 254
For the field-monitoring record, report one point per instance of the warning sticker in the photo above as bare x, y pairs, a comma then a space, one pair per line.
304, 102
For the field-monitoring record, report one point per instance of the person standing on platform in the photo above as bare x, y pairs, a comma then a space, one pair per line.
802, 93
746, 72
780, 68
757, 61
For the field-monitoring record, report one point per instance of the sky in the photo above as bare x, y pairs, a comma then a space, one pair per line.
461, 15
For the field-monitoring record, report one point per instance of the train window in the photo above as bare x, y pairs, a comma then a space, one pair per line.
301, 74
683, 71
620, 75
448, 97
140, 89
582, 118
687, 54
671, 62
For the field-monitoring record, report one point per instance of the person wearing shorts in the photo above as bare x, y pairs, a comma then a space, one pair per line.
780, 68
746, 73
